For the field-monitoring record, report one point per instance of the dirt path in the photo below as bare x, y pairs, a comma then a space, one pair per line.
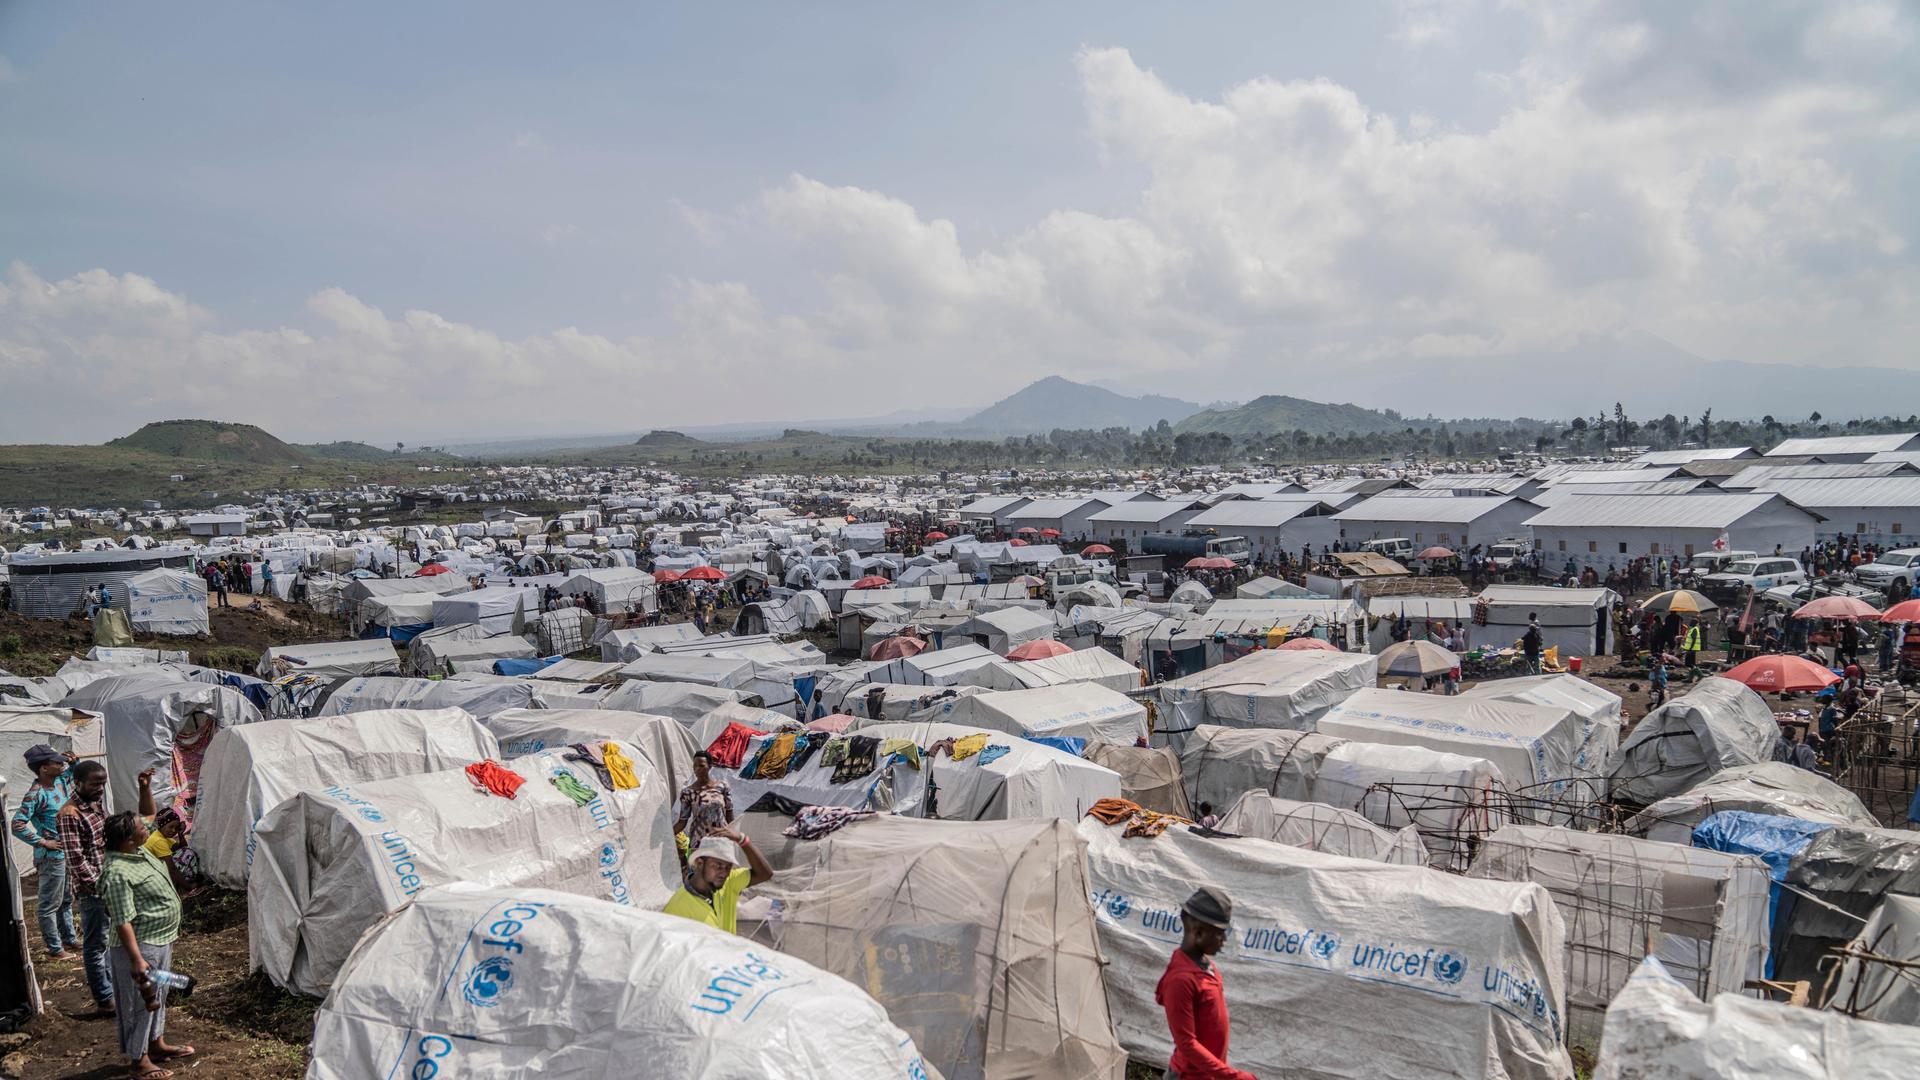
240, 1026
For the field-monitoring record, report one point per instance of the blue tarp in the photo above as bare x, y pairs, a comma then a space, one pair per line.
524, 667
401, 635
1776, 840
1071, 744
258, 691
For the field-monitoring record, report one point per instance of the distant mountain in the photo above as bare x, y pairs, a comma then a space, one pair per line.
212, 440
1275, 413
1054, 402
362, 452
666, 440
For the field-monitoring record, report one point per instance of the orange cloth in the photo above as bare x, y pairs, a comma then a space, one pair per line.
496, 778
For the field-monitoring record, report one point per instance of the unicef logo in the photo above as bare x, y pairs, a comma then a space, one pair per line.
1448, 968
368, 813
1118, 907
609, 855
488, 980
1324, 945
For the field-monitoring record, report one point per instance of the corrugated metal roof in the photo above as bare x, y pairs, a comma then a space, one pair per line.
1555, 471
1458, 510
1911, 457
1617, 476
1695, 511
1256, 514
1847, 444
1145, 511
1251, 491
1335, 499
1451, 481
1900, 492
1560, 493
1688, 457
992, 504
1757, 475
1051, 509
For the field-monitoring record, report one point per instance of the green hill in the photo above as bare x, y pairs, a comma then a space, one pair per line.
1054, 402
667, 440
348, 450
212, 440
1276, 413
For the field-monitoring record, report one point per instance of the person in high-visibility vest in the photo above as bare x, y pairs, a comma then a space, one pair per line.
1690, 645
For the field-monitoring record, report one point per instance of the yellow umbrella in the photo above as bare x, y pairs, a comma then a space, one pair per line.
1684, 601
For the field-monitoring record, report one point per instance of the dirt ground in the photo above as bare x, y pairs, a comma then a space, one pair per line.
239, 1026
239, 635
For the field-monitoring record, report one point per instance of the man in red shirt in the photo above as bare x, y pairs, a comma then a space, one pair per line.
1192, 993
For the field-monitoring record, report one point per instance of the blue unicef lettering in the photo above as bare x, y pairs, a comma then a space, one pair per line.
729, 984
488, 980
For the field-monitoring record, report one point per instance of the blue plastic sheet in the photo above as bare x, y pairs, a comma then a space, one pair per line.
1071, 744
1775, 839
524, 667
401, 635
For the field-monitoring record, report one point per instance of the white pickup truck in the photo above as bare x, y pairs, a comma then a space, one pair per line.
1762, 574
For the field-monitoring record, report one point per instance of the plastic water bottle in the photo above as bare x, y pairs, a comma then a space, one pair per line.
180, 984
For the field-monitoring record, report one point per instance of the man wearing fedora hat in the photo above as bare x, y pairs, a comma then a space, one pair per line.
1193, 995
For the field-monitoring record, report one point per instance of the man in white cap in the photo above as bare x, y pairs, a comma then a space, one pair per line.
716, 879
1192, 994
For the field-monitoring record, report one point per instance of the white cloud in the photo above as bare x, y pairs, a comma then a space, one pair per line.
1286, 231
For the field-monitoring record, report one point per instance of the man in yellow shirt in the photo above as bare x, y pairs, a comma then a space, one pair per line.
716, 879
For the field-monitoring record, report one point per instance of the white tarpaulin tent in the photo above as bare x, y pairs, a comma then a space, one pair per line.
331, 659
1319, 827
1656, 1028
23, 726
1337, 967
1003, 630
1881, 991
629, 643
664, 740
1222, 763
1767, 787
467, 981
684, 702
1149, 776
482, 699
142, 716
975, 936
935, 667
444, 655
495, 609
1450, 798
1270, 688
1716, 725
1029, 781
615, 588
1706, 911
328, 864
166, 601
1597, 707
1073, 710
251, 769
1533, 746
1092, 665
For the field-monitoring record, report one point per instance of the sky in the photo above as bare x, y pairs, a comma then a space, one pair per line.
438, 222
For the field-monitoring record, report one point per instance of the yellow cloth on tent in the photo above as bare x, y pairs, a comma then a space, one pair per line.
906, 748
619, 768
969, 746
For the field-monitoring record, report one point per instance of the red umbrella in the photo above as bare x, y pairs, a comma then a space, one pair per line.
1308, 644
1049, 532
1096, 549
1209, 563
431, 569
936, 535
872, 581
1777, 673
1026, 529
1016, 542
895, 647
1039, 650
1436, 553
662, 577
1837, 607
1904, 611
703, 573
